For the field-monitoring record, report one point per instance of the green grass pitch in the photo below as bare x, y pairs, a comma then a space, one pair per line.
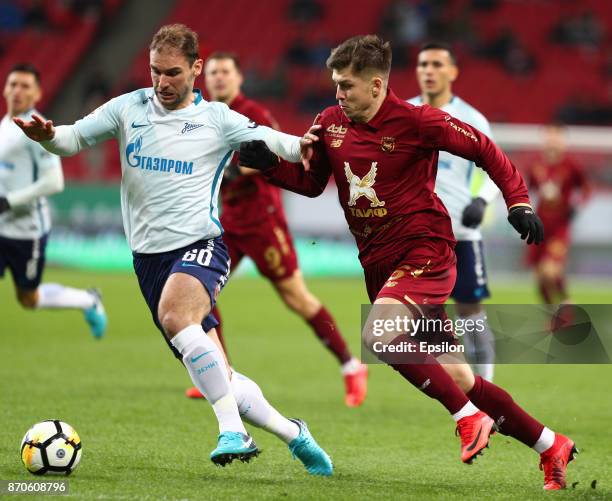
143, 440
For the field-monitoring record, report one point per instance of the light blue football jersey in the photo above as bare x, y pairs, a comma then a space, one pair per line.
22, 161
172, 163
457, 177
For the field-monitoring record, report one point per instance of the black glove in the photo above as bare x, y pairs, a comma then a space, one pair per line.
232, 171
4, 205
527, 223
257, 155
473, 213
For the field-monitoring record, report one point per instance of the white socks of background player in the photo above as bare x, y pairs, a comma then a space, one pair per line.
480, 346
206, 366
255, 409
59, 296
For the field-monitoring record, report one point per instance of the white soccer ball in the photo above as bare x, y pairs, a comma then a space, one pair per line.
51, 448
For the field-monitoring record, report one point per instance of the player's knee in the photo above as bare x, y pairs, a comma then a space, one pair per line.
549, 271
28, 299
173, 322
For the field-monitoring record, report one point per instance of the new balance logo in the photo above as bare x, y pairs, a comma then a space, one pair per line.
189, 127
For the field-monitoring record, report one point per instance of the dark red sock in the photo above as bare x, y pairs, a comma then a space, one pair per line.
326, 330
431, 378
219, 329
561, 288
510, 418
545, 291
423, 371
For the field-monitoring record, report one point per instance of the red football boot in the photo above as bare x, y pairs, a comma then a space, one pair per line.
356, 386
193, 392
474, 431
554, 462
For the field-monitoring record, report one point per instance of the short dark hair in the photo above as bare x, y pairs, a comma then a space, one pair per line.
440, 46
220, 54
27, 68
180, 37
362, 53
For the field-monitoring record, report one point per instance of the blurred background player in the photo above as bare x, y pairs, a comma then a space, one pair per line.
436, 71
28, 173
560, 185
254, 224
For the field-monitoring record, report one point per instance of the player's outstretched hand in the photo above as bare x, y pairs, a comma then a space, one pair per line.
37, 129
473, 213
527, 223
256, 155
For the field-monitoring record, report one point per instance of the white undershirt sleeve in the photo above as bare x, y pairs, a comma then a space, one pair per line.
49, 182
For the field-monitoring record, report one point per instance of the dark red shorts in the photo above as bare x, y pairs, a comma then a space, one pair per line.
269, 245
422, 278
554, 247
424, 274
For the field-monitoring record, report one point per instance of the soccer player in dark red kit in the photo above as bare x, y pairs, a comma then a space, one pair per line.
557, 179
255, 225
383, 154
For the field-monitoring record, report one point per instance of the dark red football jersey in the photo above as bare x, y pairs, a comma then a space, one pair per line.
556, 183
249, 201
385, 171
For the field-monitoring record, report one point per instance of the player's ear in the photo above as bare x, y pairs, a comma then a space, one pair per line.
377, 86
197, 66
454, 73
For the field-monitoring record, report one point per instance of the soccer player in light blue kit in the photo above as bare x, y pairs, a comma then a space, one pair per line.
436, 71
29, 173
174, 146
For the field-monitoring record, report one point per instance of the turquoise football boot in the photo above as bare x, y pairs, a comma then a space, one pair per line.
234, 445
96, 316
306, 449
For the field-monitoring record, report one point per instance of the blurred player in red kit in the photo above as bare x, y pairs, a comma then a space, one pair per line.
383, 154
255, 225
561, 185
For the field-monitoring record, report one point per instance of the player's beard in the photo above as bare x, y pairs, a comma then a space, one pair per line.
174, 104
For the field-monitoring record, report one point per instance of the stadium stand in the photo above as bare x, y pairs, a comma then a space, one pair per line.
521, 61
55, 42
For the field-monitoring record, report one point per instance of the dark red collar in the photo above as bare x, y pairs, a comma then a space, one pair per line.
238, 101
